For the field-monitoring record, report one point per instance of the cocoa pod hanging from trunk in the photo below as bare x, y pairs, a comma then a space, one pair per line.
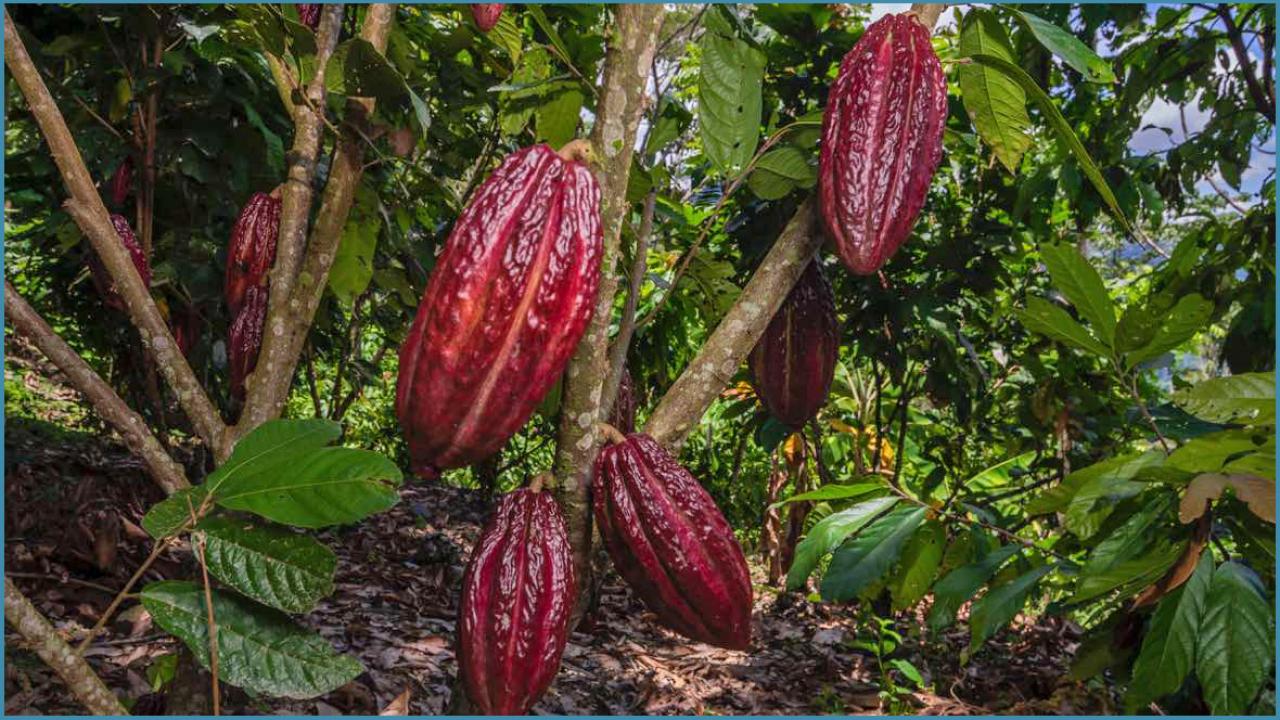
102, 279
881, 141
794, 361
252, 249
309, 15
246, 338
671, 544
486, 15
504, 309
517, 593
623, 416
121, 183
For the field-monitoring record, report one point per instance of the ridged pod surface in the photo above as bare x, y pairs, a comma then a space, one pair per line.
121, 183
486, 15
309, 14
623, 416
881, 141
246, 337
671, 544
252, 249
102, 279
517, 594
507, 302
793, 363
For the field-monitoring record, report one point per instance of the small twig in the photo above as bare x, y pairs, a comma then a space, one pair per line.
66, 581
627, 324
1146, 414
213, 626
120, 597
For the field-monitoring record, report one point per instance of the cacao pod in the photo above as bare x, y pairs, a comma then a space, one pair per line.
185, 324
102, 279
309, 15
517, 594
671, 544
881, 141
507, 302
623, 416
252, 249
486, 15
246, 337
121, 183
793, 363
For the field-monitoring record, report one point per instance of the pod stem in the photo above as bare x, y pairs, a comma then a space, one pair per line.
612, 434
535, 485
576, 151
277, 192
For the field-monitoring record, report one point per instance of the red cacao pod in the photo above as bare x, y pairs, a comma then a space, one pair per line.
102, 279
486, 15
881, 141
246, 337
793, 363
671, 544
121, 183
623, 416
185, 324
507, 302
517, 594
308, 15
252, 249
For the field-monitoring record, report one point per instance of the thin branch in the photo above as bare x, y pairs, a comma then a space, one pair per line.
167, 473
120, 596
80, 678
1261, 102
213, 626
627, 325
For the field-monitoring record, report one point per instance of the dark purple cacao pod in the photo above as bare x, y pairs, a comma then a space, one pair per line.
252, 249
102, 279
504, 309
623, 416
185, 324
517, 593
793, 363
881, 141
246, 337
486, 15
671, 544
121, 183
309, 15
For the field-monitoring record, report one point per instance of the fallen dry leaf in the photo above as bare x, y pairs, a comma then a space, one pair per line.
399, 706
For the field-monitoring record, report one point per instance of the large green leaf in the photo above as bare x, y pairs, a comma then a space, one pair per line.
1129, 575
1066, 46
1187, 318
833, 492
1000, 474
1236, 640
1044, 317
1212, 452
175, 513
328, 486
353, 262
270, 442
960, 585
867, 556
729, 95
1128, 540
1076, 277
1248, 399
780, 171
996, 104
919, 565
276, 567
556, 119
1169, 647
259, 649
830, 532
999, 606
1122, 467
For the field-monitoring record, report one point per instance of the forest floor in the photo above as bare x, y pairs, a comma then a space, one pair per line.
73, 502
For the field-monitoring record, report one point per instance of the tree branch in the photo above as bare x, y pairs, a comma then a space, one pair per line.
86, 208
1261, 102
627, 325
83, 682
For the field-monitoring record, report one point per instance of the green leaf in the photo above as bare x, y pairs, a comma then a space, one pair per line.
271, 441
1131, 575
276, 567
1064, 131
830, 532
960, 585
1212, 452
1236, 640
999, 606
1187, 318
556, 119
1128, 540
1122, 467
1044, 317
729, 99
357, 69
1066, 46
1168, 649
329, 486
780, 171
1000, 474
1095, 501
996, 105
832, 492
919, 565
353, 262
175, 513
867, 556
259, 649
1247, 399
1076, 277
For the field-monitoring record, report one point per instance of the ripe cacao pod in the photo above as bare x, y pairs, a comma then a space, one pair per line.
881, 141
102, 279
309, 14
793, 363
517, 594
185, 324
486, 15
246, 337
623, 416
507, 302
252, 249
121, 183
671, 544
